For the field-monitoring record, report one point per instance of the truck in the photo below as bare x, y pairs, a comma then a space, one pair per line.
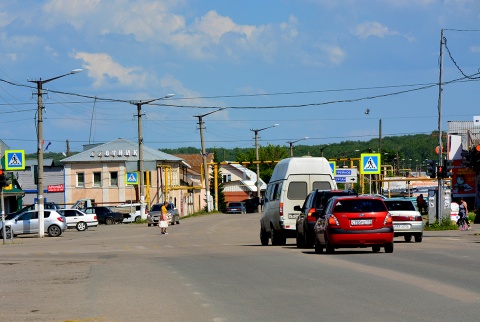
105, 215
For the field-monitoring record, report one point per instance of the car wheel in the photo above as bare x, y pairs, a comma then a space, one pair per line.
149, 225
308, 240
54, 231
81, 226
263, 237
389, 248
318, 249
375, 249
418, 238
138, 219
328, 247
108, 221
408, 238
300, 240
277, 238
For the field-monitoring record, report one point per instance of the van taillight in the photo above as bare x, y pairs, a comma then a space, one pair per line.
281, 209
310, 216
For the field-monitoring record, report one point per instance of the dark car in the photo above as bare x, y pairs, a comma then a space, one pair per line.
105, 215
312, 206
251, 205
236, 208
354, 221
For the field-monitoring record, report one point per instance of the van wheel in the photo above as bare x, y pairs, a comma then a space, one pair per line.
263, 237
277, 238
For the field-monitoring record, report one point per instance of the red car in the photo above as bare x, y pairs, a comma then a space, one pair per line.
354, 221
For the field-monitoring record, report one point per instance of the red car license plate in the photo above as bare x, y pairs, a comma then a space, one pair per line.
360, 222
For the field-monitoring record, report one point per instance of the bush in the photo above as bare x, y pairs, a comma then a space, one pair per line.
445, 224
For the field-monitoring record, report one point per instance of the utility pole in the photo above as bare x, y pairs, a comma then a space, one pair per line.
204, 158
40, 201
140, 149
259, 206
291, 145
440, 150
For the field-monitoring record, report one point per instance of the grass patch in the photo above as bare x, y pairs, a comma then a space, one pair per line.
445, 224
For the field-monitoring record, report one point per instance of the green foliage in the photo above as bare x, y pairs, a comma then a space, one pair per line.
445, 224
267, 153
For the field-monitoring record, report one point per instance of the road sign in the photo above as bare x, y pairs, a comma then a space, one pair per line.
333, 166
131, 178
346, 175
370, 163
14, 160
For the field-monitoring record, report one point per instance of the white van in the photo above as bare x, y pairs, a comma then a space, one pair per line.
291, 181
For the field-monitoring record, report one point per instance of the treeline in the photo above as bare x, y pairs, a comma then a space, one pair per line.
412, 150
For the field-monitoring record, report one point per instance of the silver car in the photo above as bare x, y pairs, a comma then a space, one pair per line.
27, 223
156, 210
407, 221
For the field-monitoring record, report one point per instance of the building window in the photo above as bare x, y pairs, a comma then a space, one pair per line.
80, 179
114, 178
227, 177
97, 179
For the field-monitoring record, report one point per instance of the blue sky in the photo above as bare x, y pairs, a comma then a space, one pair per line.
312, 66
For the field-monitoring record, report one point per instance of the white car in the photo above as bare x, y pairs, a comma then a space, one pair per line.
78, 219
27, 223
407, 220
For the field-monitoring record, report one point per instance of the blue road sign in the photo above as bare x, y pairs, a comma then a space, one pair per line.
131, 178
14, 160
370, 163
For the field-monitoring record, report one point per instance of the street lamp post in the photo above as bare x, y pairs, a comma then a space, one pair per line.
204, 158
140, 148
40, 201
292, 142
259, 207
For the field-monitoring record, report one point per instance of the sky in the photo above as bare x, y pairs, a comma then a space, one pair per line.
329, 70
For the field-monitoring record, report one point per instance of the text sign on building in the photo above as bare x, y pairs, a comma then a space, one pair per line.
131, 178
14, 160
370, 163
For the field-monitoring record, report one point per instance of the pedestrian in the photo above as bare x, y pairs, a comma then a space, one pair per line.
463, 214
163, 220
422, 204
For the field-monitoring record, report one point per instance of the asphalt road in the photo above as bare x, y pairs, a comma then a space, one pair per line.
212, 268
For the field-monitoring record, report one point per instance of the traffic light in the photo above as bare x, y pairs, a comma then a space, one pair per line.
466, 158
440, 171
432, 168
3, 179
448, 171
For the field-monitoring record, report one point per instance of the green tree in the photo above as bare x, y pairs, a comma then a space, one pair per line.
267, 153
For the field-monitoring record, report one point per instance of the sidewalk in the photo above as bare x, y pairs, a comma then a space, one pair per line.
474, 232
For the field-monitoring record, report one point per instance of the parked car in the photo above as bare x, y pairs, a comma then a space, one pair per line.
105, 215
78, 219
156, 210
236, 208
27, 223
407, 220
47, 205
354, 221
313, 205
131, 212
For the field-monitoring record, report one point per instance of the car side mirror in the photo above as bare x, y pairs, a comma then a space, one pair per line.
297, 208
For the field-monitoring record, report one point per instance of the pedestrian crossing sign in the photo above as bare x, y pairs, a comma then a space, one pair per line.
370, 163
131, 178
14, 160
333, 166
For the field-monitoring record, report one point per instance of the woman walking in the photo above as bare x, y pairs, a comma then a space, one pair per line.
163, 220
463, 214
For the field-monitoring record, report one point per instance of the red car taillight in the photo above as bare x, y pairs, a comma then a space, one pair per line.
310, 216
60, 219
388, 220
281, 209
332, 221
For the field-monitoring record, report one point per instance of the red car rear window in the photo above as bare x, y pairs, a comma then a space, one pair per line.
359, 205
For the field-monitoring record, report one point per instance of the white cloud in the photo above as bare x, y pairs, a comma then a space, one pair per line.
334, 53
101, 67
372, 28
